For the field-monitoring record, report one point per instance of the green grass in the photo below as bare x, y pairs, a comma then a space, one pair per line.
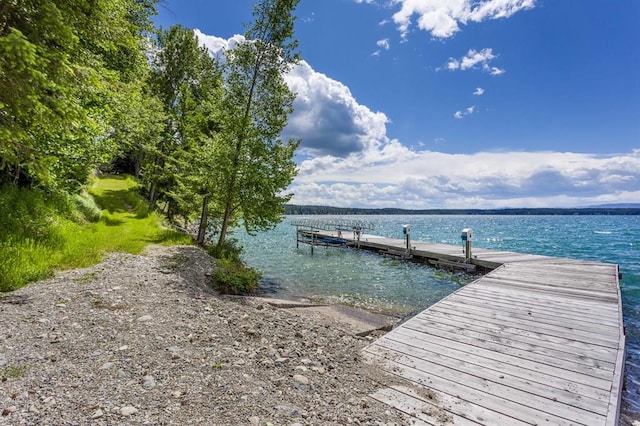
44, 236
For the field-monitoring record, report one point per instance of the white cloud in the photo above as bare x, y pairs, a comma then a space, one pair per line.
217, 45
384, 43
430, 179
472, 59
327, 117
347, 159
442, 18
329, 120
467, 111
479, 91
493, 70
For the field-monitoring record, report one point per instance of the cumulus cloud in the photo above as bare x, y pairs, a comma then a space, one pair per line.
328, 118
480, 180
347, 159
217, 45
473, 59
442, 18
479, 91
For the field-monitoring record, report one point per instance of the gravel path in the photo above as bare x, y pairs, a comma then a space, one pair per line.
143, 340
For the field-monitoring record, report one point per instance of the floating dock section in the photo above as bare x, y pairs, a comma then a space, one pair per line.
536, 341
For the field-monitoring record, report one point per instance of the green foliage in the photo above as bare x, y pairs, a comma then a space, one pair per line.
38, 233
231, 249
253, 165
186, 79
86, 204
63, 67
234, 277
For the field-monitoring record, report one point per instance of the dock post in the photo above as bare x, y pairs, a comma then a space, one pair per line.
406, 230
466, 237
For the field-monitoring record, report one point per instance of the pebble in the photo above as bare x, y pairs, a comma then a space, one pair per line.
145, 318
107, 366
148, 382
301, 379
255, 420
99, 413
128, 410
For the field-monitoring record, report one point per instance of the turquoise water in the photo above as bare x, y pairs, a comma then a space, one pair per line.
372, 281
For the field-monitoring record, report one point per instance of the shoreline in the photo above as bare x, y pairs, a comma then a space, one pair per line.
143, 339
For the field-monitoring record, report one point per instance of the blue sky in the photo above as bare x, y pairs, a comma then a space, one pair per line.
455, 103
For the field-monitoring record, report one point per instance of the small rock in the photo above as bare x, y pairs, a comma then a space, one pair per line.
99, 413
301, 368
299, 378
255, 420
176, 394
123, 348
128, 410
145, 318
148, 382
107, 366
9, 410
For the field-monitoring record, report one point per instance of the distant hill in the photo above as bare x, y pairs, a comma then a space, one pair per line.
617, 206
619, 209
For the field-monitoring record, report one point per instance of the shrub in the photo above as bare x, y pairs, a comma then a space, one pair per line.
234, 277
229, 250
87, 206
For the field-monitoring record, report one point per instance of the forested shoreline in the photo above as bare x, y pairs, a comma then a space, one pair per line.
292, 209
93, 87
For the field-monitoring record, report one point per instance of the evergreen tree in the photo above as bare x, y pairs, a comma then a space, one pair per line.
187, 81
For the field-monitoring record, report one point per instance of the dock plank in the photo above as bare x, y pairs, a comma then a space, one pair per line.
539, 340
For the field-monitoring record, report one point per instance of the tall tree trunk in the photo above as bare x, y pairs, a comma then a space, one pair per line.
204, 219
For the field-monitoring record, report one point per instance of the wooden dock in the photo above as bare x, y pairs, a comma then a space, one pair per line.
537, 341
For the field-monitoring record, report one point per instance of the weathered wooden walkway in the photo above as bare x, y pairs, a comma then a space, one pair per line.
537, 341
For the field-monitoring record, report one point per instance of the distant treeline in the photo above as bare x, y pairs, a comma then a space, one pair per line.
292, 209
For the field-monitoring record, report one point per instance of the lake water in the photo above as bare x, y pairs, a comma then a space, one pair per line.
371, 281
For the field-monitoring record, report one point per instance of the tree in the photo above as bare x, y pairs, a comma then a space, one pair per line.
61, 63
253, 165
187, 80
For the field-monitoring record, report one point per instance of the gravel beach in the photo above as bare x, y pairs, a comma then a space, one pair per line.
144, 340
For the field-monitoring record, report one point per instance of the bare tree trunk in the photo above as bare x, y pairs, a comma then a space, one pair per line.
204, 219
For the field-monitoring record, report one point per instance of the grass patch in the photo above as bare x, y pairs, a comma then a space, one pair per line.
44, 233
11, 372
